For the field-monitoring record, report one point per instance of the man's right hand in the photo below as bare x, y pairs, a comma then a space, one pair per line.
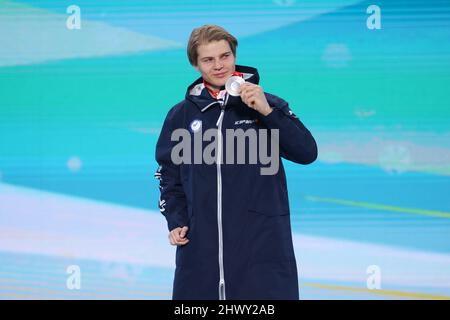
177, 236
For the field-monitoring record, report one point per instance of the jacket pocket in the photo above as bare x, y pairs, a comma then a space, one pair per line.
268, 194
274, 203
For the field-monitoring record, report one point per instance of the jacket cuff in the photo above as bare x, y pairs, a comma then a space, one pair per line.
273, 120
175, 222
172, 225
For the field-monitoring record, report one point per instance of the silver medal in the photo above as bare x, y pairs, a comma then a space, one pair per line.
232, 85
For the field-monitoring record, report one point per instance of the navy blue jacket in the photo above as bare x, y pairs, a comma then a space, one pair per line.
239, 221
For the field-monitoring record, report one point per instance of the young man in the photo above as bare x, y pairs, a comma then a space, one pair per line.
229, 221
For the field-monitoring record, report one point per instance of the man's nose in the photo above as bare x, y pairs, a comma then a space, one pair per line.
218, 65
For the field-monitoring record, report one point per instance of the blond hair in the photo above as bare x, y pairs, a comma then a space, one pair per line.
206, 34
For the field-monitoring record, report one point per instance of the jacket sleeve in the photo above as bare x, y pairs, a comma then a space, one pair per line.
172, 201
296, 141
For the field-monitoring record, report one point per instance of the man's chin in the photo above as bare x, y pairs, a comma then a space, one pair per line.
218, 83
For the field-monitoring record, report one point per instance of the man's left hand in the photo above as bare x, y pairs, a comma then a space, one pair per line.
253, 96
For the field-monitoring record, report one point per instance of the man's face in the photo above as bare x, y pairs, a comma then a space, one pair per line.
215, 62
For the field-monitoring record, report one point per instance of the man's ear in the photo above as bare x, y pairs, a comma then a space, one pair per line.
196, 68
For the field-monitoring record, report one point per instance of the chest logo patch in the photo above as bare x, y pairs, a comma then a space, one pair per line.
196, 125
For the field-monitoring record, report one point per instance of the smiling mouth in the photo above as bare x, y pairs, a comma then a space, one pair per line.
220, 75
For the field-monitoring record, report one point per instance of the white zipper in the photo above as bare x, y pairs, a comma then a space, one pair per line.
209, 105
222, 295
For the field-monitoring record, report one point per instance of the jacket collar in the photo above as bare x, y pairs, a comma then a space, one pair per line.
199, 95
